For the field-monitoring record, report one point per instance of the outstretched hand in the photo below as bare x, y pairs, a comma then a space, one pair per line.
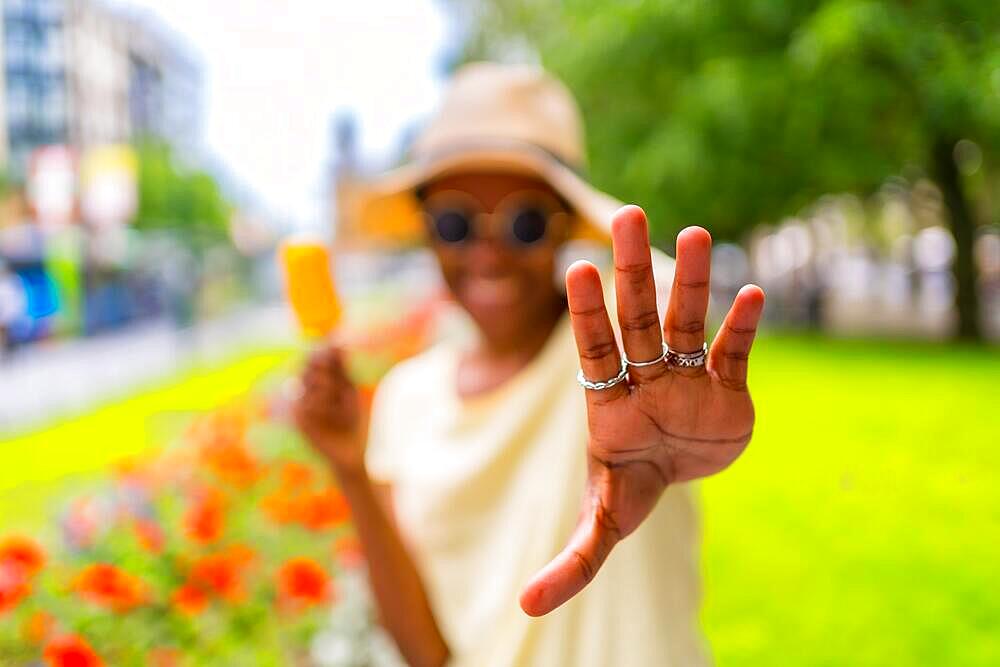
667, 423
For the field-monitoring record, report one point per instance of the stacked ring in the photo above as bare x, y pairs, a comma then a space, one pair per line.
604, 384
679, 359
688, 359
652, 362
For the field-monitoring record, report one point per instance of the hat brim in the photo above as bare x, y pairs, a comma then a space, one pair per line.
385, 210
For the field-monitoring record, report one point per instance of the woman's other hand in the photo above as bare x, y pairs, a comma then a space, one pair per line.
667, 423
328, 411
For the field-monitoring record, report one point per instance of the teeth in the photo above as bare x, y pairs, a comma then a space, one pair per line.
494, 289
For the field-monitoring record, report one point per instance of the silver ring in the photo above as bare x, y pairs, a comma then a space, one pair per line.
652, 362
688, 359
604, 384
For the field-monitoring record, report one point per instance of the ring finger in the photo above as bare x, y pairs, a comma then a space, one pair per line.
684, 327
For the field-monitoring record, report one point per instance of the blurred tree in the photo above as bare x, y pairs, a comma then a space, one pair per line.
187, 203
726, 113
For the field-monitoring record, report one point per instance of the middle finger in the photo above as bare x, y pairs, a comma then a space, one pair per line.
636, 292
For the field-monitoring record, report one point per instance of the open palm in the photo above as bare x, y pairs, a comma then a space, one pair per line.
667, 423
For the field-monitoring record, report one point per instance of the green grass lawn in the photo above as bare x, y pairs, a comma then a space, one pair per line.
862, 527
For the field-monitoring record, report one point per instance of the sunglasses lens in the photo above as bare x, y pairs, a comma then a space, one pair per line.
528, 225
452, 226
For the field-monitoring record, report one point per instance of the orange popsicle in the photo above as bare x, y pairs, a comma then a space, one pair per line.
309, 286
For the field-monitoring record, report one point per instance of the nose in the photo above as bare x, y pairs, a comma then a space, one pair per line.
489, 254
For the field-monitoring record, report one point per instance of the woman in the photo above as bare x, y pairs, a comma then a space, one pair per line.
468, 477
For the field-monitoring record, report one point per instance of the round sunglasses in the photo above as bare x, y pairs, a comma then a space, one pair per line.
521, 219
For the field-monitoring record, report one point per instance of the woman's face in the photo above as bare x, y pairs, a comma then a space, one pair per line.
507, 287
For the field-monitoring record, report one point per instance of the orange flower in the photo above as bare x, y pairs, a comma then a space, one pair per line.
324, 509
37, 627
205, 520
295, 475
280, 507
221, 441
149, 534
14, 585
110, 586
71, 651
221, 573
303, 581
24, 553
225, 424
189, 599
314, 510
231, 461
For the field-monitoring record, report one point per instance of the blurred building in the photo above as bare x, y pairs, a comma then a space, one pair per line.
165, 86
78, 80
33, 97
97, 75
85, 74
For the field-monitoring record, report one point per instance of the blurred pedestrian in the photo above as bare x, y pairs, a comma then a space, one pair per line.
484, 459
12, 305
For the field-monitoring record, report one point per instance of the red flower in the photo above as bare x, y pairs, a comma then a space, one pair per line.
71, 651
111, 587
303, 581
221, 574
205, 520
24, 553
14, 585
190, 599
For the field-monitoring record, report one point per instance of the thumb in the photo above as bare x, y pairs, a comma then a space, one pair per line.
576, 565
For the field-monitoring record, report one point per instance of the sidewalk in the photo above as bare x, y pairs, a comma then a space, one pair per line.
69, 377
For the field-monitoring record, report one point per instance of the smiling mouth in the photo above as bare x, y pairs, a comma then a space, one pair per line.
492, 290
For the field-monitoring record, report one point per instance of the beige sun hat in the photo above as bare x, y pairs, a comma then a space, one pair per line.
493, 117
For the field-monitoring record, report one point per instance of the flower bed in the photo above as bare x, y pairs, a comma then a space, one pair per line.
222, 550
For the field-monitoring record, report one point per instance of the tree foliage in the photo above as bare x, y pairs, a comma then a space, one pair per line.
727, 113
187, 202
